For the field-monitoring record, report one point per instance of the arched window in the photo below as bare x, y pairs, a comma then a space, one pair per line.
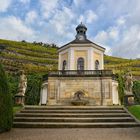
64, 65
96, 65
80, 63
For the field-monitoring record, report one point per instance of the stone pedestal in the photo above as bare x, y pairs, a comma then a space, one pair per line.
19, 99
44, 94
129, 99
51, 102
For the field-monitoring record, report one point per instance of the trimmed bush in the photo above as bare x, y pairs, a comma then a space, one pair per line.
6, 114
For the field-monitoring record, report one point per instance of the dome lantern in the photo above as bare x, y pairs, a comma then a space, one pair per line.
81, 31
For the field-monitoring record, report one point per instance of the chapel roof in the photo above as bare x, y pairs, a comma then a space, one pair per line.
86, 41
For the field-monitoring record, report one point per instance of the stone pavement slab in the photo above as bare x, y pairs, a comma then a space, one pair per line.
73, 134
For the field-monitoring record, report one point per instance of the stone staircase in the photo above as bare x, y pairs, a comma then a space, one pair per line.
74, 117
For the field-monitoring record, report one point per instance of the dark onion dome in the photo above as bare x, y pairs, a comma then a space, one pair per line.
81, 25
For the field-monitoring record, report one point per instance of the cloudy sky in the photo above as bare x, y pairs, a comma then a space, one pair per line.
114, 24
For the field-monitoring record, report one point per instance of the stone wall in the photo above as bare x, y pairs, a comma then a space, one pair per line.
61, 90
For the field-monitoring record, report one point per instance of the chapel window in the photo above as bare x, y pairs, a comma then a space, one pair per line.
64, 65
80, 63
96, 65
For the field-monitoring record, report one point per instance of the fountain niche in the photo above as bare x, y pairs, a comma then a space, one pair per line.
79, 99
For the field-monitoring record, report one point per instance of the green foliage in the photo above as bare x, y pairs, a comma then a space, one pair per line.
6, 113
13, 83
120, 80
120, 65
17, 108
28, 56
28, 46
32, 94
114, 60
136, 91
33, 53
135, 110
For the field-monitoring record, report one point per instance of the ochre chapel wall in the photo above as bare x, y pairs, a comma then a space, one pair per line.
62, 89
78, 54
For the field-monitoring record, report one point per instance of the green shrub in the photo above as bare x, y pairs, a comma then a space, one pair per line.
6, 113
136, 91
32, 94
13, 81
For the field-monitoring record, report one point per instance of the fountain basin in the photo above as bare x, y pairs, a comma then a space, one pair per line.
79, 102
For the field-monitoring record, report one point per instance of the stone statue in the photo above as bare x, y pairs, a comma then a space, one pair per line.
22, 83
128, 83
129, 96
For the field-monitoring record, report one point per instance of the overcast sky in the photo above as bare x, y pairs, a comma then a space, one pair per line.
114, 24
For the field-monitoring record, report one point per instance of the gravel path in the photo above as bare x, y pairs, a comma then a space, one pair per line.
73, 134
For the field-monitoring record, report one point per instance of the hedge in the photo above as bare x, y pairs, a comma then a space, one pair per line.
6, 113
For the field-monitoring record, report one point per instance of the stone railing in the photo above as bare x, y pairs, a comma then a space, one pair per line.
79, 73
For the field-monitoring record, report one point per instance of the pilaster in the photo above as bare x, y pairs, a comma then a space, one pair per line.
71, 59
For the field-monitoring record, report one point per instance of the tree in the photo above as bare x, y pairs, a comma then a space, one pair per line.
6, 114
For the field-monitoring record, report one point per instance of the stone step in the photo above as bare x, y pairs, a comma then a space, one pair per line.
72, 115
73, 107
72, 119
74, 125
73, 111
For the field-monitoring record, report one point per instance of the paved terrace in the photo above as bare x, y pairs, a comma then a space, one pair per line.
73, 134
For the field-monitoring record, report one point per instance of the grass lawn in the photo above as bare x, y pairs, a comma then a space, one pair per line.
16, 109
135, 110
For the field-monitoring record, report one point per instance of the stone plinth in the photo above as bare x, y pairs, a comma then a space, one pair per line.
129, 99
19, 99
51, 102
